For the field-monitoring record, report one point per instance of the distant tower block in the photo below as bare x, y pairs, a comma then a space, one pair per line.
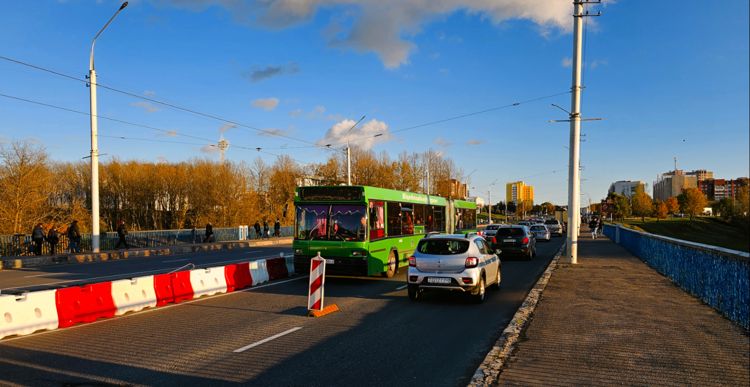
222, 145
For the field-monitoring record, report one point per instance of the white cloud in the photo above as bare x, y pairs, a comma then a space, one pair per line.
439, 141
567, 62
171, 133
224, 128
474, 142
209, 148
598, 62
362, 136
385, 27
149, 93
296, 113
266, 103
273, 132
146, 106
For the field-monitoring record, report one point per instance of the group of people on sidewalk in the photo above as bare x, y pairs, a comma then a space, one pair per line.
266, 230
52, 237
595, 225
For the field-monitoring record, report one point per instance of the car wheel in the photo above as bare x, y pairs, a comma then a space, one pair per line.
414, 292
498, 278
530, 255
479, 293
391, 267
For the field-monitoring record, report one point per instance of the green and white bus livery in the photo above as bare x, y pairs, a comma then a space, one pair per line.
363, 230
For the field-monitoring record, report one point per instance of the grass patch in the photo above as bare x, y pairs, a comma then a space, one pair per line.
710, 231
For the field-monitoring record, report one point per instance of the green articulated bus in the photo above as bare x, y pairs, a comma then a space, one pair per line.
363, 230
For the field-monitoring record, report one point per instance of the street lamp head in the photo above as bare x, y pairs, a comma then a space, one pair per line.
125, 4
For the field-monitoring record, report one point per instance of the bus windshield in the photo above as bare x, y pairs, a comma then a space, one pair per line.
338, 222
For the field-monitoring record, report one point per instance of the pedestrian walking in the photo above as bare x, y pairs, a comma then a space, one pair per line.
74, 237
257, 229
52, 238
277, 228
37, 235
209, 233
592, 226
122, 233
265, 229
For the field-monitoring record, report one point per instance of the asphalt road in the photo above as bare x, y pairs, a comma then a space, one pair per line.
262, 337
53, 276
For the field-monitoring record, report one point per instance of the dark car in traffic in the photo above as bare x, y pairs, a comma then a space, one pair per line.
515, 240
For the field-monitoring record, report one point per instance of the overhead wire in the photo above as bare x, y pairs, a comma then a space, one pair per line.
262, 131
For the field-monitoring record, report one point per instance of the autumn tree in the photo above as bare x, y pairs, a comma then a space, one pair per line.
642, 204
673, 206
25, 185
692, 201
548, 208
660, 210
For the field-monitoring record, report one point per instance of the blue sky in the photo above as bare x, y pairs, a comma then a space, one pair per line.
669, 77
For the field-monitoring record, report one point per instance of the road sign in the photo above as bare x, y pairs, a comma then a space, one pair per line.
317, 281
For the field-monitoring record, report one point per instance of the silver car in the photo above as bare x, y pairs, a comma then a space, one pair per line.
541, 232
554, 226
461, 263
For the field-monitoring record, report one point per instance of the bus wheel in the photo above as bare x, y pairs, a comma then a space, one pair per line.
392, 265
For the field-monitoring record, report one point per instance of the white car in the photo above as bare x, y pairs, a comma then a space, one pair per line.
462, 263
541, 232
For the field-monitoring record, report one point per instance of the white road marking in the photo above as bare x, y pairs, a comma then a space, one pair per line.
43, 274
175, 260
149, 310
402, 287
274, 337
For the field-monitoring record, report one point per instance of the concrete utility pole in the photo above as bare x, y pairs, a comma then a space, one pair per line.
574, 182
94, 141
349, 154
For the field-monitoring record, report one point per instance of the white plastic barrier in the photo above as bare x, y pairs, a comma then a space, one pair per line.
207, 282
259, 271
132, 295
26, 314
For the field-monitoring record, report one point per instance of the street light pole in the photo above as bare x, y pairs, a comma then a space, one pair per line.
349, 154
574, 184
94, 140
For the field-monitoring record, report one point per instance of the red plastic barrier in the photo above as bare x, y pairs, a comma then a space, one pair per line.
277, 268
163, 289
238, 276
181, 286
82, 304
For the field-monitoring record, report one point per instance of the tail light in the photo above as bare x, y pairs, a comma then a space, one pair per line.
412, 261
472, 262
525, 240
494, 240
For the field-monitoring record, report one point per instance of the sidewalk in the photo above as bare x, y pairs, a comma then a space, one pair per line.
43, 260
611, 319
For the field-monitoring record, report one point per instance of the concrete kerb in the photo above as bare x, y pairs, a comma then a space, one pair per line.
488, 372
35, 261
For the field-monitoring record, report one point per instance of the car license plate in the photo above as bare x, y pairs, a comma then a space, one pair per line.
509, 240
329, 261
438, 280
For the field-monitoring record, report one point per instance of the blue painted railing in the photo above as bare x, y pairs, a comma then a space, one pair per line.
719, 277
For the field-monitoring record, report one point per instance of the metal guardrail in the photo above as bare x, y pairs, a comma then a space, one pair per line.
20, 245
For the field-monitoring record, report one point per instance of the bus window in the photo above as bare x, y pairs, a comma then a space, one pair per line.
312, 222
348, 222
394, 218
419, 215
470, 219
438, 216
407, 219
377, 220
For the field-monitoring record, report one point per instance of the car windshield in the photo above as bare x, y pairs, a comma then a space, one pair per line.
551, 222
512, 232
537, 228
492, 227
443, 246
341, 222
